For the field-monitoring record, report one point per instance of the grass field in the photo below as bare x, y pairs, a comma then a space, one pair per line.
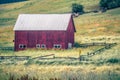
90, 27
84, 72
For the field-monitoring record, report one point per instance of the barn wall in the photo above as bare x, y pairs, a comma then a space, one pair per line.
20, 38
70, 32
31, 38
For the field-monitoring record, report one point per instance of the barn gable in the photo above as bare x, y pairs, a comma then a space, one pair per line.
42, 22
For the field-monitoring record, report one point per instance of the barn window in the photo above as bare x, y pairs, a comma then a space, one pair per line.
57, 46
37, 45
43, 46
22, 46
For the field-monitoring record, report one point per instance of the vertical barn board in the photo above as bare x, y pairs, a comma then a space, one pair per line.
16, 41
49, 39
32, 39
43, 37
39, 37
64, 40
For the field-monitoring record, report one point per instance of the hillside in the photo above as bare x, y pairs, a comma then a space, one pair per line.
9, 12
96, 21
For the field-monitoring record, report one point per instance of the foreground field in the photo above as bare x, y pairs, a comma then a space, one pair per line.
82, 72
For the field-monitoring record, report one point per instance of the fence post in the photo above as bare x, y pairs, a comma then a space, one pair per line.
53, 56
80, 58
79, 53
88, 53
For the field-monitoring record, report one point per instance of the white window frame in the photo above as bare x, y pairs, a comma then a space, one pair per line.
43, 46
37, 45
57, 46
21, 46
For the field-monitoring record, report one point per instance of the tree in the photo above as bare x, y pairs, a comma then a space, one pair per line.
109, 4
77, 8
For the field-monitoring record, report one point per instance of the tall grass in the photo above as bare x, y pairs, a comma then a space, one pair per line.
6, 36
82, 72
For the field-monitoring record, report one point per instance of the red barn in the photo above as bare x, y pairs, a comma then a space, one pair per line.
44, 31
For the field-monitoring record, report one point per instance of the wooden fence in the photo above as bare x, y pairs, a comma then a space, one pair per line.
40, 57
6, 48
95, 44
15, 57
52, 56
107, 46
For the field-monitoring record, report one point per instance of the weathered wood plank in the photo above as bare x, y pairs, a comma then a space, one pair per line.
15, 57
44, 56
6, 48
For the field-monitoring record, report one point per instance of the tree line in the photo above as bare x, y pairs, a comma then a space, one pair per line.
10, 1
103, 4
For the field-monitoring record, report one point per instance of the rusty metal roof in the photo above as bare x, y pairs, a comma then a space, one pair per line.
42, 22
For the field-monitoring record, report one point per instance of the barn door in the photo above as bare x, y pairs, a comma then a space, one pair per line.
69, 45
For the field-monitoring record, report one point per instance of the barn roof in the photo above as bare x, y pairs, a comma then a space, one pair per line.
42, 22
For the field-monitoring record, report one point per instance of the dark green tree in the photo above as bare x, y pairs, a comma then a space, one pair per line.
109, 4
77, 8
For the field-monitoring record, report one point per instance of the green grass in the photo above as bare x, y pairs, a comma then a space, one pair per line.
98, 23
91, 27
114, 12
12, 10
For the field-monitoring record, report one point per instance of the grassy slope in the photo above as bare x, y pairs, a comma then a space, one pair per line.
12, 10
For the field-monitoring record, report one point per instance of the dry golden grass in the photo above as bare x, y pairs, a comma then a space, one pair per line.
6, 36
65, 72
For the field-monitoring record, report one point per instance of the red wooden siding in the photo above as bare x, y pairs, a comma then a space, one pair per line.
31, 38
70, 32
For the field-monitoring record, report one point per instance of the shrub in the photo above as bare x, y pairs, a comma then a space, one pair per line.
109, 4
113, 60
77, 8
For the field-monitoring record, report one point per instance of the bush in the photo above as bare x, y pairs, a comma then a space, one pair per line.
77, 8
113, 60
109, 4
